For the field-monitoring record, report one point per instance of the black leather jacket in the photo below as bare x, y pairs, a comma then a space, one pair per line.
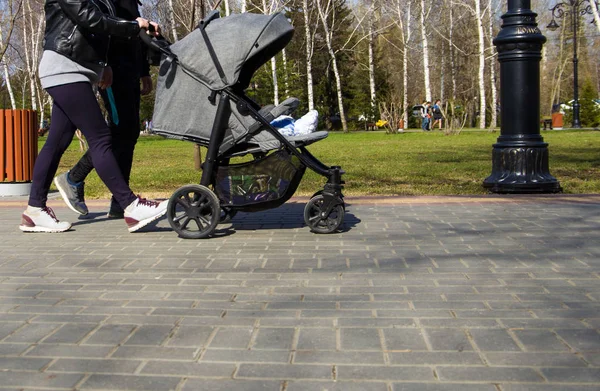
81, 29
127, 56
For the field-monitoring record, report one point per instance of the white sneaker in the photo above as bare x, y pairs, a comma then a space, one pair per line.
42, 220
142, 212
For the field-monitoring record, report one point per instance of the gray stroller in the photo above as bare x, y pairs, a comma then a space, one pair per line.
201, 98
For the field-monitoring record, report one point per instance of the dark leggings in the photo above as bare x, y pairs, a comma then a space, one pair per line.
75, 107
126, 91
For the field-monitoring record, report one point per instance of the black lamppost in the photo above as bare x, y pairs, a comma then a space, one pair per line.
574, 9
520, 156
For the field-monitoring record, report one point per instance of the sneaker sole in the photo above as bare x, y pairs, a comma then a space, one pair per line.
63, 194
25, 228
141, 224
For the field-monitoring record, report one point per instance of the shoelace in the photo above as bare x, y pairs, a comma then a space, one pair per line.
50, 213
145, 202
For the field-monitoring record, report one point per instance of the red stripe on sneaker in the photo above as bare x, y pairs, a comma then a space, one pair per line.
130, 222
26, 221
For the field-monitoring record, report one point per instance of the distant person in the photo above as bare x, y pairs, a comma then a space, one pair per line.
437, 114
425, 116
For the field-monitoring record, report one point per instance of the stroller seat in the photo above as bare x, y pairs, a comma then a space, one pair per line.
297, 141
263, 141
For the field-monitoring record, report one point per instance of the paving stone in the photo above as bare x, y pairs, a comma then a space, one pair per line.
95, 366
533, 359
448, 339
190, 336
70, 333
435, 358
55, 351
152, 352
540, 340
121, 382
581, 340
110, 335
566, 375
274, 338
337, 358
494, 340
228, 385
232, 337
278, 371
317, 339
149, 335
31, 333
360, 339
189, 369
404, 339
337, 386
38, 380
442, 387
548, 387
356, 372
488, 374
7, 328
22, 363
238, 356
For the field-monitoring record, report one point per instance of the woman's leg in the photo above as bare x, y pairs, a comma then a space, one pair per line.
78, 103
59, 138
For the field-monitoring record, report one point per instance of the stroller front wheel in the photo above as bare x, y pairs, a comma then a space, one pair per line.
317, 218
194, 212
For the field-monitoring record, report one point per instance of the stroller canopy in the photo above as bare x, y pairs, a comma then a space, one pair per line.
242, 43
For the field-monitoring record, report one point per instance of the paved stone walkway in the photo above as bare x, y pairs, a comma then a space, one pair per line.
487, 293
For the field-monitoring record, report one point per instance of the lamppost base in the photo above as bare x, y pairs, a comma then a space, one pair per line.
521, 170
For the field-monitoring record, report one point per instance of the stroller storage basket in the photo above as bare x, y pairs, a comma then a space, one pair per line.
267, 179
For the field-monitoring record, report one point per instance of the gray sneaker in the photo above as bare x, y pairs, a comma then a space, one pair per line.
71, 193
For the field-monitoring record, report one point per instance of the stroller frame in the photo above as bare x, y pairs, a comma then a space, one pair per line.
323, 213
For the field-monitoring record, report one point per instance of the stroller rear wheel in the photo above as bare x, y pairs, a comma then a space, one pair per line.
317, 220
194, 211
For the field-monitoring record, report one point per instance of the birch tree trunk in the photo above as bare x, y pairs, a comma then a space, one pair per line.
596, 13
9, 15
425, 45
11, 94
243, 6
267, 11
171, 13
481, 77
494, 119
372, 67
286, 78
338, 80
7, 75
309, 53
227, 11
31, 40
559, 70
405, 42
451, 49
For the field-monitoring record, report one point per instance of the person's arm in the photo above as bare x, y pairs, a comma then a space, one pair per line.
90, 17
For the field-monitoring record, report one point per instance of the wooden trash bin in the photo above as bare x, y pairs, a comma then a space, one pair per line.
557, 121
18, 150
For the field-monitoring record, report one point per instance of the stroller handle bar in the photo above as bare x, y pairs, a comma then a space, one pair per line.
152, 43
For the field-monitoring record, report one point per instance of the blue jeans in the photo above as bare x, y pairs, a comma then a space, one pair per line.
425, 123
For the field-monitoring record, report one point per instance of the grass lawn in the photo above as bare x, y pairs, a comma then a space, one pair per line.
376, 163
